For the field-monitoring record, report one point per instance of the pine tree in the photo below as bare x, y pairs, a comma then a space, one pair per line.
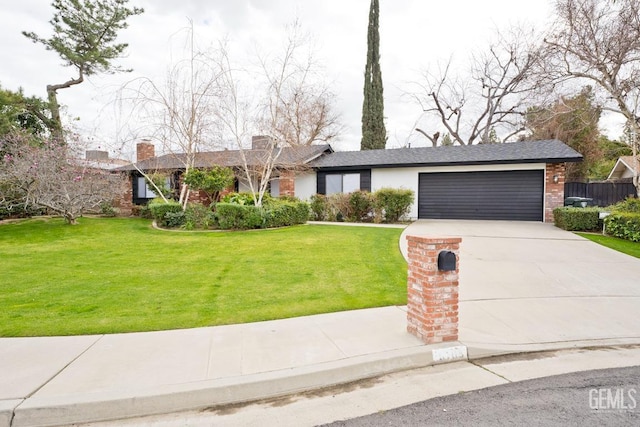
84, 35
374, 134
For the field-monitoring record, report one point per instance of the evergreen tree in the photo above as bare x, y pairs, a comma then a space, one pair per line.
84, 35
374, 134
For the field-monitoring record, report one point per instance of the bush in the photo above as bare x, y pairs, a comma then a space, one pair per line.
159, 211
107, 209
284, 213
623, 225
393, 204
245, 199
318, 206
577, 219
361, 204
232, 216
198, 216
338, 207
173, 219
630, 205
142, 211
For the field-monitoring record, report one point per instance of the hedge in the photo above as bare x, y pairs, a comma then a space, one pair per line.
623, 225
231, 216
577, 219
393, 203
630, 205
159, 211
277, 213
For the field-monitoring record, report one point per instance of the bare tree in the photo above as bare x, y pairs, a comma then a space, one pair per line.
491, 97
53, 177
598, 42
181, 111
294, 111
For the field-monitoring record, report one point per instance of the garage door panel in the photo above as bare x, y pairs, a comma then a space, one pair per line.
510, 195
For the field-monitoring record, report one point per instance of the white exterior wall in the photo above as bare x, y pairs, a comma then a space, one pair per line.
306, 185
408, 177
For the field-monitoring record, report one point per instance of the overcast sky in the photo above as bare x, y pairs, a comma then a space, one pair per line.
414, 35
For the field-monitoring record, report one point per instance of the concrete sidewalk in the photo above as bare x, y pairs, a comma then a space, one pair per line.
64, 380
523, 287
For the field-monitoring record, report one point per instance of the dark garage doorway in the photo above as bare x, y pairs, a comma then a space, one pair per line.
492, 195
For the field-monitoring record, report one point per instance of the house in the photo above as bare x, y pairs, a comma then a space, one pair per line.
289, 163
624, 168
513, 181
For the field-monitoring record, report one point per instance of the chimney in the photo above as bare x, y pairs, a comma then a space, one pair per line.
145, 150
97, 155
261, 142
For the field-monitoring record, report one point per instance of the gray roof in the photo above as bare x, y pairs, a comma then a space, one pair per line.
549, 151
289, 157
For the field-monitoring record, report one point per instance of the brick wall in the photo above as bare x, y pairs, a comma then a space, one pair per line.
287, 183
125, 203
554, 191
432, 301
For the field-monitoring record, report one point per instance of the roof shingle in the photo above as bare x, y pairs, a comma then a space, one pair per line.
515, 152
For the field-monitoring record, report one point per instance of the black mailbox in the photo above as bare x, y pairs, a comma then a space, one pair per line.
446, 261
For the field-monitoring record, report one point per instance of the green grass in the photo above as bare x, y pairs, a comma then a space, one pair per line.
121, 275
620, 245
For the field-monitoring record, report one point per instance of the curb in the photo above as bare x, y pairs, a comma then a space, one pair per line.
82, 408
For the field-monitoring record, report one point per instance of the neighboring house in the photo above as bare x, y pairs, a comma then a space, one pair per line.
624, 168
512, 181
99, 159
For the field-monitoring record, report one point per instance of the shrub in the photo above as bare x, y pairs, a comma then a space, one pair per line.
318, 206
577, 219
232, 216
173, 219
142, 211
284, 213
361, 204
623, 225
245, 199
630, 205
107, 209
198, 216
393, 204
159, 211
338, 207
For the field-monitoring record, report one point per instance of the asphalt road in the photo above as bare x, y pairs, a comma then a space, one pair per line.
608, 397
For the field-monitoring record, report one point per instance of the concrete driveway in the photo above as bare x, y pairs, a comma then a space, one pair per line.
530, 285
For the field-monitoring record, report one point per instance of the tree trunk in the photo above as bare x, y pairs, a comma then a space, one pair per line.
55, 123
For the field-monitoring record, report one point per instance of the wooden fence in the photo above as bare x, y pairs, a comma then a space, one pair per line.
602, 193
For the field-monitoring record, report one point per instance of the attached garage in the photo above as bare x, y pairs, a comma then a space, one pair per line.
492, 195
513, 181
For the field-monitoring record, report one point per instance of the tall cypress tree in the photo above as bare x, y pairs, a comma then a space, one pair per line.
374, 134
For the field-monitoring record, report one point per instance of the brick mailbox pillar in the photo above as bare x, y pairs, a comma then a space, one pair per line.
432, 303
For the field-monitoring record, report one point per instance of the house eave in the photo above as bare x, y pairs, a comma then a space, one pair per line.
447, 164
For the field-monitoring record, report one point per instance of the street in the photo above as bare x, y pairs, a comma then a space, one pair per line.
604, 397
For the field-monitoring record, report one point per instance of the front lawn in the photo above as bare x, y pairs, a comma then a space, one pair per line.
120, 275
625, 246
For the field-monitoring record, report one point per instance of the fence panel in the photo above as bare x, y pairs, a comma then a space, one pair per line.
602, 193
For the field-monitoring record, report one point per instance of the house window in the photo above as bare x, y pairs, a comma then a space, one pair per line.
343, 183
275, 187
144, 192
